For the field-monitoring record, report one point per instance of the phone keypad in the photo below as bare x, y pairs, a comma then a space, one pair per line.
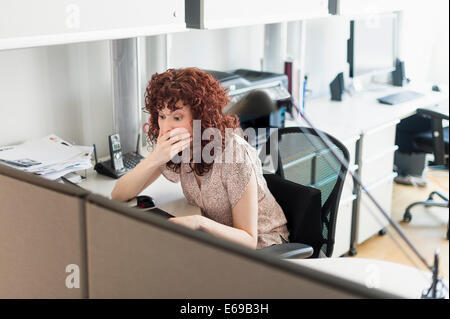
130, 160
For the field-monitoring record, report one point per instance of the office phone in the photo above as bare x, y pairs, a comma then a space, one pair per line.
118, 164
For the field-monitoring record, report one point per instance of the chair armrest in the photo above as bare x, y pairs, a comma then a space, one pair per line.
433, 113
288, 251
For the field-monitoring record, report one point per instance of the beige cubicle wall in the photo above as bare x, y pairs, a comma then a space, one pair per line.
133, 254
123, 252
42, 231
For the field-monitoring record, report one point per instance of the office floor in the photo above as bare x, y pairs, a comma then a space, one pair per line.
427, 229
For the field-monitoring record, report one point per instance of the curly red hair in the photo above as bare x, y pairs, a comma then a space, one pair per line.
201, 92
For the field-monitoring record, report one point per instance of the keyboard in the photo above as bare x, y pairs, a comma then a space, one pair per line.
400, 97
159, 212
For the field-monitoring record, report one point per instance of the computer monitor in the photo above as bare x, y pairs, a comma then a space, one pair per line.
372, 47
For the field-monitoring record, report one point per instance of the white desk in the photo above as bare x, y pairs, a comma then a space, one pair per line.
362, 112
404, 281
167, 195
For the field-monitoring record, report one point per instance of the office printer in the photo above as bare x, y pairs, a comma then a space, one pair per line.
240, 82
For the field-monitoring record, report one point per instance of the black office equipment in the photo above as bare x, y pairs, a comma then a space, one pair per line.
115, 151
255, 104
337, 87
241, 82
142, 201
304, 160
125, 162
159, 212
147, 203
436, 88
401, 97
422, 133
398, 75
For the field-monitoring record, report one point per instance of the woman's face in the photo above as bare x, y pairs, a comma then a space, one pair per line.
181, 117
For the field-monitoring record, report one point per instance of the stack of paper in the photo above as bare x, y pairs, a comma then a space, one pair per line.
51, 157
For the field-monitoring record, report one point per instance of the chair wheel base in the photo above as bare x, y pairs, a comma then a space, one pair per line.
382, 232
352, 252
407, 217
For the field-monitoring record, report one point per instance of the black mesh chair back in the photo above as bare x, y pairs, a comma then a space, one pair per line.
301, 206
304, 159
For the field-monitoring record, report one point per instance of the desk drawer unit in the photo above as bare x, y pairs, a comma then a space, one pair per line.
375, 159
348, 188
350, 144
378, 166
343, 226
370, 219
378, 140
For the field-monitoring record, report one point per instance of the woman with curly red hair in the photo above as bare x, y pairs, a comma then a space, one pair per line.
225, 181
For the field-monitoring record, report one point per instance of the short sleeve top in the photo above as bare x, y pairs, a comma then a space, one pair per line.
224, 184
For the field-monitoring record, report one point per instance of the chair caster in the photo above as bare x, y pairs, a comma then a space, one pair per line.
352, 252
382, 232
407, 217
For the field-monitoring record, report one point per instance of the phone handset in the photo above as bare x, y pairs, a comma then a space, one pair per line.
115, 150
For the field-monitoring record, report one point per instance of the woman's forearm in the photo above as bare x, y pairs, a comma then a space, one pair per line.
133, 182
231, 233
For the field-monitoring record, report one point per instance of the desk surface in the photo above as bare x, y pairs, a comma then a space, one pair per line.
362, 112
402, 280
167, 195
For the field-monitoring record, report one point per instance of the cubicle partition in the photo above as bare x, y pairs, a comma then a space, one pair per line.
133, 254
59, 241
42, 237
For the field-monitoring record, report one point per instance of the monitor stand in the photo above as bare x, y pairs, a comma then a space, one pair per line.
359, 86
355, 86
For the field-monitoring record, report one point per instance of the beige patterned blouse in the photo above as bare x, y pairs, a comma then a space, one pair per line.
222, 187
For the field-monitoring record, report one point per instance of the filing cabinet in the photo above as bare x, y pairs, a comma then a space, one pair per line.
370, 219
343, 230
348, 188
378, 140
343, 226
375, 159
378, 166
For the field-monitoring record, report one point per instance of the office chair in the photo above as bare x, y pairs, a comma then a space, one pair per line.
424, 133
307, 184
